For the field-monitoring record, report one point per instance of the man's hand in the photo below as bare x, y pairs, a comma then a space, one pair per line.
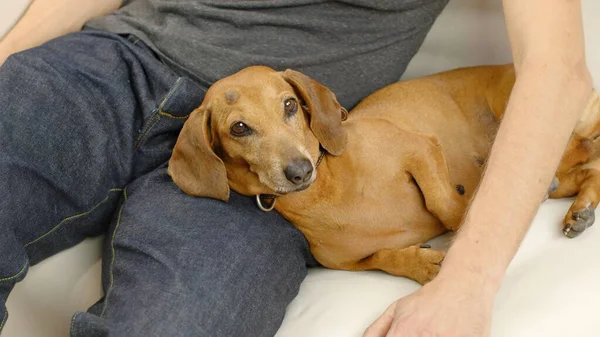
445, 308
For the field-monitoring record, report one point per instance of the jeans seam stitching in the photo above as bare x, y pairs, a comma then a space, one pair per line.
159, 112
170, 93
4, 319
112, 261
168, 115
147, 129
73, 323
8, 278
79, 215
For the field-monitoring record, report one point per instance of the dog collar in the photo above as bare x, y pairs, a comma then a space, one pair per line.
266, 202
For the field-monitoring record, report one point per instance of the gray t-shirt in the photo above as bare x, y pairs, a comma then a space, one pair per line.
352, 46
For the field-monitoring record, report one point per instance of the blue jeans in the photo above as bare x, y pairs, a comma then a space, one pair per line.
87, 124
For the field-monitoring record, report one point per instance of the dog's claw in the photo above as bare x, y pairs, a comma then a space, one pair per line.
567, 231
553, 187
425, 245
579, 222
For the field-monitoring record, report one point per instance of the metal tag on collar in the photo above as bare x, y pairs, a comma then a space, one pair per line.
344, 114
266, 202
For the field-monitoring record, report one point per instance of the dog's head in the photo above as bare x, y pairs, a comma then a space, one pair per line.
258, 131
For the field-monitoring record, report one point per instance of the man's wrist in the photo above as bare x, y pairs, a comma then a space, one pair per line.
477, 271
468, 283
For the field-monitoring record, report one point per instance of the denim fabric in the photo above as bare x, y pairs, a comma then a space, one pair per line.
87, 124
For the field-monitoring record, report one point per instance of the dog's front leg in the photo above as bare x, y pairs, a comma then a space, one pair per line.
419, 263
427, 165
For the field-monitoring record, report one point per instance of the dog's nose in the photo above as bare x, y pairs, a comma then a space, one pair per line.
298, 171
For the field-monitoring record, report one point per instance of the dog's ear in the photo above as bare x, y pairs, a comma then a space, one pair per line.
194, 166
326, 114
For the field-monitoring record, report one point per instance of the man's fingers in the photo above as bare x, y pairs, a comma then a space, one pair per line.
382, 325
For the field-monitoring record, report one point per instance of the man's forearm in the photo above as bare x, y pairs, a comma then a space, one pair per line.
552, 88
543, 110
48, 19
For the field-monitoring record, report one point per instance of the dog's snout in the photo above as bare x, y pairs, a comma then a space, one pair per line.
299, 171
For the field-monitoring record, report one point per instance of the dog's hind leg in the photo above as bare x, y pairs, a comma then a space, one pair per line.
583, 181
428, 167
579, 150
415, 262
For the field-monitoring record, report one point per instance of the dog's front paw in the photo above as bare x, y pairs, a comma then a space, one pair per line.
578, 221
430, 262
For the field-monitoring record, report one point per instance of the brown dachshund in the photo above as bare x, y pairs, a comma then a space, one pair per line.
368, 190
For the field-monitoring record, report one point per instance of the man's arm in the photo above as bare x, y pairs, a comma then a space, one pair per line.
552, 87
48, 19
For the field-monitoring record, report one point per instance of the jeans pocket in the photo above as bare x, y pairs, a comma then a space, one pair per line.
185, 96
173, 109
159, 133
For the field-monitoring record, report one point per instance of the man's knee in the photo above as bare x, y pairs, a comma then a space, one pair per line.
230, 269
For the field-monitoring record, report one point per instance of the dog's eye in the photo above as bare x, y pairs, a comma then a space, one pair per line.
291, 106
240, 129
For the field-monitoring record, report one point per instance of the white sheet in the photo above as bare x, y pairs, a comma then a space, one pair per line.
550, 289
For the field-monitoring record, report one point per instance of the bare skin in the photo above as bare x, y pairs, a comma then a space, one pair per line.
553, 86
47, 19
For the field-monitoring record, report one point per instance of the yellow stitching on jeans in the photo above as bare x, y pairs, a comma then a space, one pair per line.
72, 217
171, 92
17, 274
4, 319
147, 129
166, 114
112, 249
164, 101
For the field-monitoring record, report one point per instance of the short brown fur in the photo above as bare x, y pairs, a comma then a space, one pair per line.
398, 172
